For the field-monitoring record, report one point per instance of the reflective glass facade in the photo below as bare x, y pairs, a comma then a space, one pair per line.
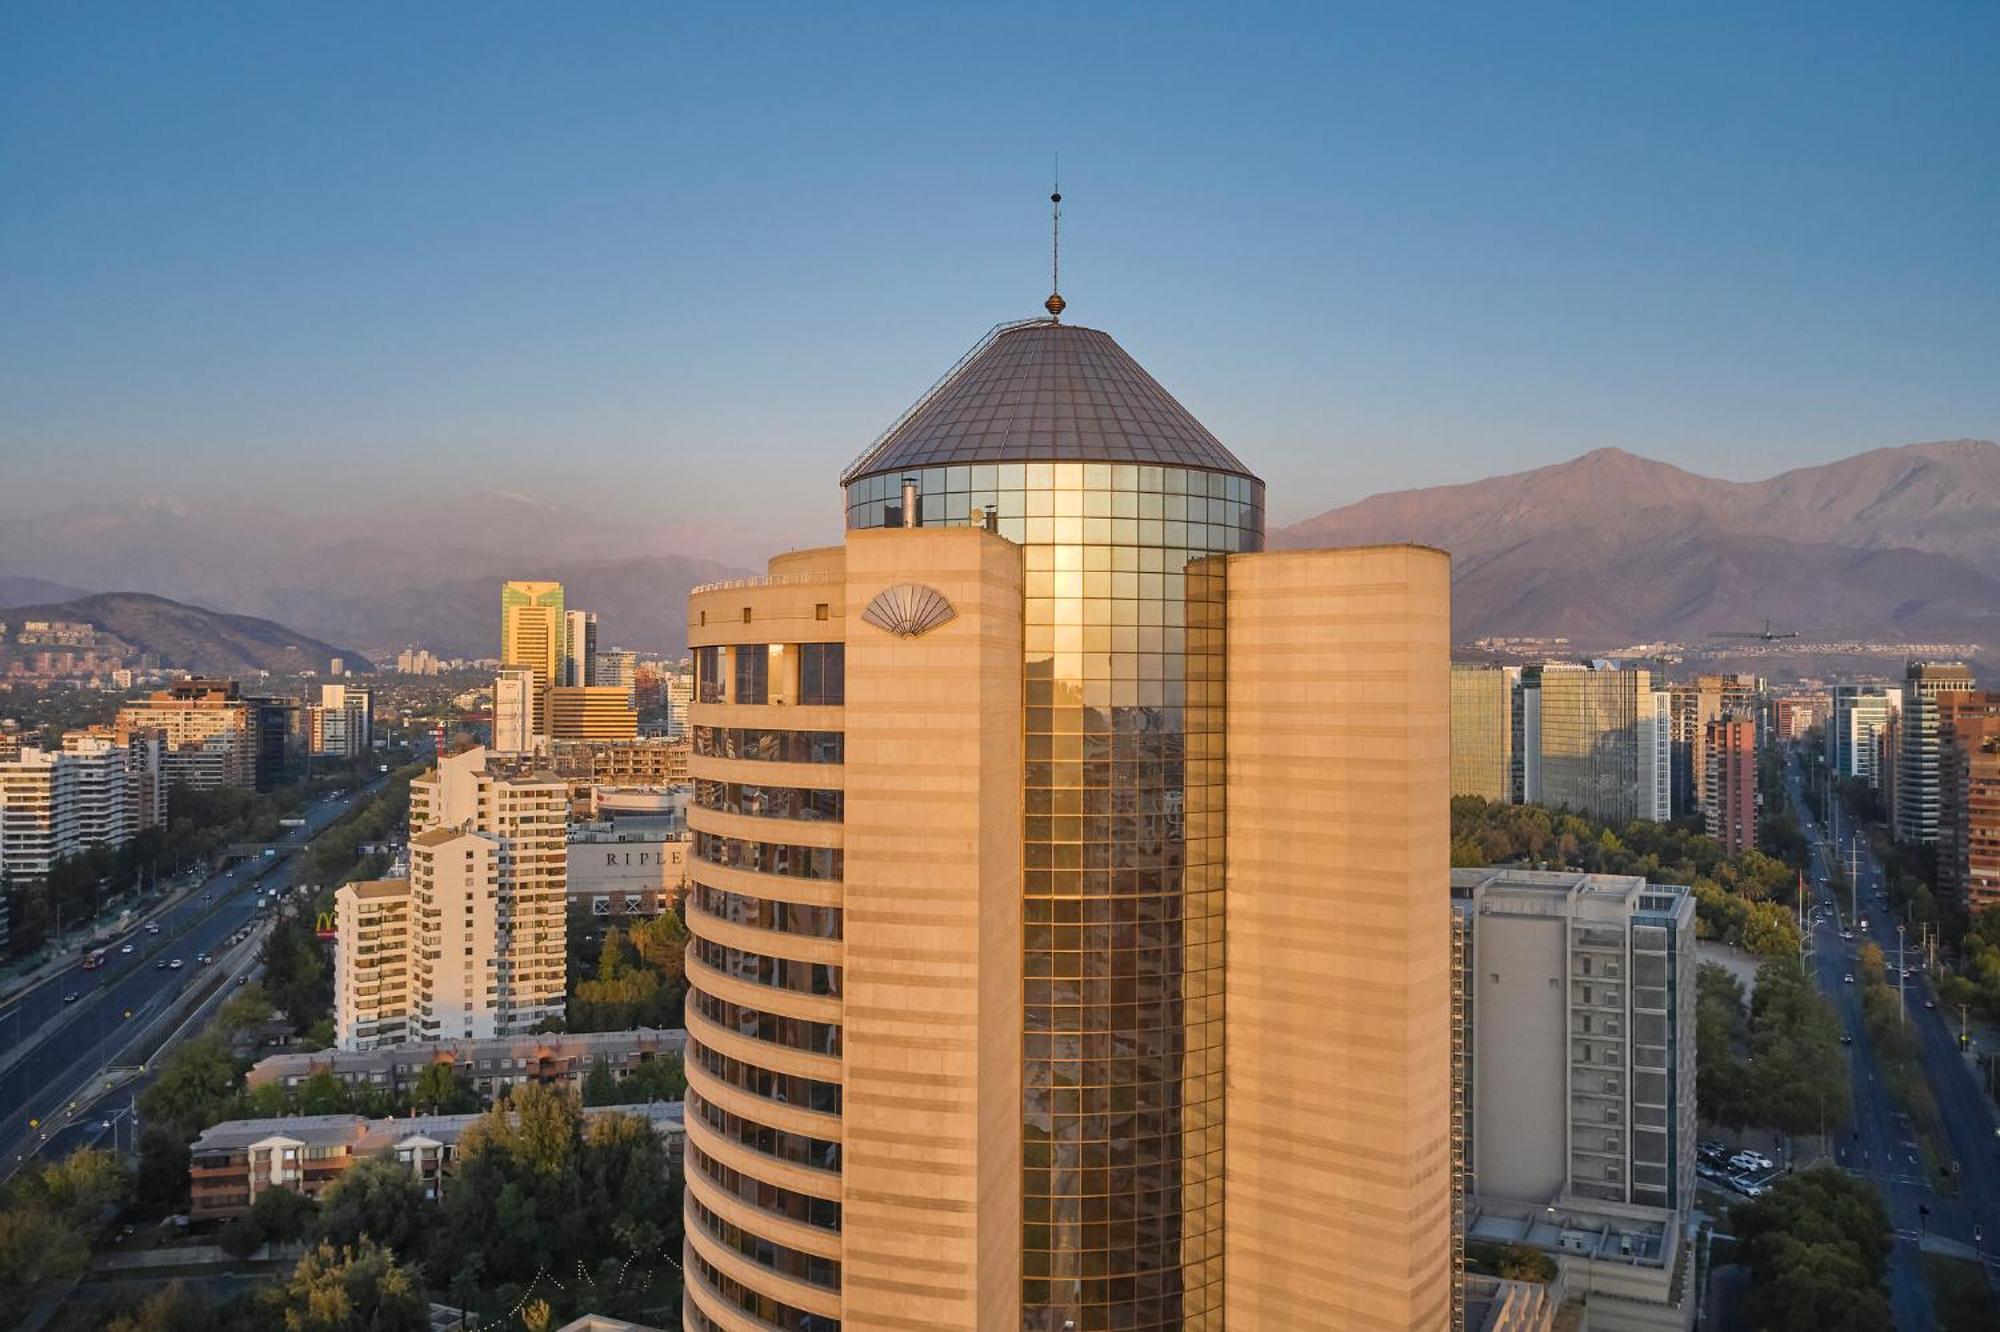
1122, 915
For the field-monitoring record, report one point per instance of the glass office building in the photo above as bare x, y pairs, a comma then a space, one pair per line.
1056, 439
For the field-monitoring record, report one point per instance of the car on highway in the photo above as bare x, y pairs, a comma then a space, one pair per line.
1847, 934
126, 949
1848, 979
1930, 1003
174, 965
71, 997
159, 964
152, 927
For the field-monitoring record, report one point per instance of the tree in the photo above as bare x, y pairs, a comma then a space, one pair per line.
35, 1246
357, 1288
1817, 1246
439, 1091
78, 1188
378, 1199
171, 1310
1525, 1262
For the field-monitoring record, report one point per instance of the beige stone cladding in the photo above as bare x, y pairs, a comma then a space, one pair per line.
1337, 1172
931, 1187
764, 1065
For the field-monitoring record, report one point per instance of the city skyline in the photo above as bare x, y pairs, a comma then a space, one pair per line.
476, 242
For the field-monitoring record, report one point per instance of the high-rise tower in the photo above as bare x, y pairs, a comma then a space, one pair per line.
980, 795
533, 633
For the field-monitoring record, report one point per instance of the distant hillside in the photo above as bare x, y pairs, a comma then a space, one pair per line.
194, 639
1900, 543
402, 572
34, 591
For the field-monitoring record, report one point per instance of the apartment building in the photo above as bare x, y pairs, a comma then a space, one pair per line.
58, 803
1794, 716
343, 723
516, 705
1577, 995
233, 1162
1729, 786
1695, 704
482, 913
1918, 791
489, 1067
633, 762
209, 736
958, 1048
373, 966
1968, 862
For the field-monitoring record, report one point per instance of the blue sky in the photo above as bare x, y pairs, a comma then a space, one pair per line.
614, 253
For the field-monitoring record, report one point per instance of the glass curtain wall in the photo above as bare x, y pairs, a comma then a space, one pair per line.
1122, 915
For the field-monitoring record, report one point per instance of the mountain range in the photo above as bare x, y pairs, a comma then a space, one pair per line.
192, 638
409, 573
1607, 549
1610, 549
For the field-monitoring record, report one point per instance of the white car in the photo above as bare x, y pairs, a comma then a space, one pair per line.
174, 965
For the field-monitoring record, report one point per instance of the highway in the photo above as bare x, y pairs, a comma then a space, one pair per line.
55, 1048
1879, 1142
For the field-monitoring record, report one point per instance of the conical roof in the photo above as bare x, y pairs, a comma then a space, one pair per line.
1041, 391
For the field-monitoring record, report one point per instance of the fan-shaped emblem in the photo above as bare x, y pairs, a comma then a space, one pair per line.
908, 609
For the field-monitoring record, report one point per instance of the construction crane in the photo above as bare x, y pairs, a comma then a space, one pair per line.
1767, 634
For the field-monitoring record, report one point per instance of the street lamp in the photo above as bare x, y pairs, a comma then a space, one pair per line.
1902, 1010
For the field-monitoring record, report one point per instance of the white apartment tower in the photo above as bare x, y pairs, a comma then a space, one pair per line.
58, 803
484, 928
514, 708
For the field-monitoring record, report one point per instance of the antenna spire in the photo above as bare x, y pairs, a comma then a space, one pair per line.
1054, 304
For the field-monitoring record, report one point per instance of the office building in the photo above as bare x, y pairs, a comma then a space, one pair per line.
342, 724
1968, 861
1729, 788
1854, 728
492, 1068
628, 869
279, 730
533, 631
618, 669
1577, 1001
1483, 730
231, 1163
479, 921
579, 665
592, 713
60, 803
208, 731
1596, 739
515, 702
958, 1048
1917, 792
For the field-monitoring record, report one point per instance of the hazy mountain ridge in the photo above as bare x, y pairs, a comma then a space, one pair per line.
194, 638
1896, 543
414, 572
